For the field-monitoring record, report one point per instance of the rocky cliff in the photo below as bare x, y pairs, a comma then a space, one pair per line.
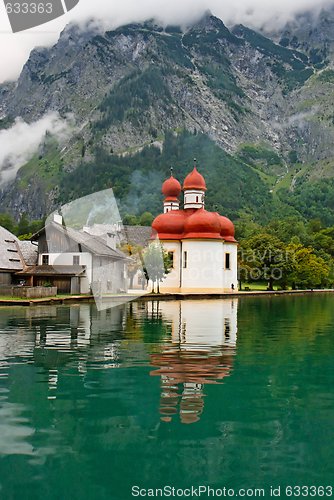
264, 100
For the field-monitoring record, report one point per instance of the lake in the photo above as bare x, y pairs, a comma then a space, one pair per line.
235, 394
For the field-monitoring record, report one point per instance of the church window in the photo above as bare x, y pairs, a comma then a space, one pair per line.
227, 261
171, 259
45, 260
185, 260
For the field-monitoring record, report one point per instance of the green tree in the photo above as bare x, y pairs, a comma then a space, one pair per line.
146, 219
286, 228
267, 258
308, 270
130, 220
23, 225
323, 241
8, 222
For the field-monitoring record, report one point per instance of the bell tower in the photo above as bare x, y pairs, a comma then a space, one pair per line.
194, 188
171, 189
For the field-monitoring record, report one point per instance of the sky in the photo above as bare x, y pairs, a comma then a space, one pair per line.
15, 48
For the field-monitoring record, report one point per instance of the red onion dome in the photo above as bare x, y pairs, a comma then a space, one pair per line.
194, 180
171, 188
169, 226
203, 224
227, 229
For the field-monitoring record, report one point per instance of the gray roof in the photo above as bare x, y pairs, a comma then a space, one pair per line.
53, 270
93, 244
29, 253
138, 235
10, 258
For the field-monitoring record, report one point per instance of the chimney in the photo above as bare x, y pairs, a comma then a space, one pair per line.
111, 240
58, 219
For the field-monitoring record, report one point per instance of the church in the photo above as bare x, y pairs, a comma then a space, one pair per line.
201, 244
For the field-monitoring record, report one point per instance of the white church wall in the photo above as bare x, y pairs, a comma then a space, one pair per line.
203, 271
230, 276
171, 283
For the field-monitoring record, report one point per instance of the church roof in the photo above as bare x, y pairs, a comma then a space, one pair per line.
171, 189
193, 224
194, 180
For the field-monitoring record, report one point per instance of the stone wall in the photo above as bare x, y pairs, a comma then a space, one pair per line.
27, 292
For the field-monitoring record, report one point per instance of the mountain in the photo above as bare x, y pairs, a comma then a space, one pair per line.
310, 33
255, 110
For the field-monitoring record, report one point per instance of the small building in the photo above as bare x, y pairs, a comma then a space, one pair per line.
201, 244
76, 262
10, 257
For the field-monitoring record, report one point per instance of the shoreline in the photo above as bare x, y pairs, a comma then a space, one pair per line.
74, 299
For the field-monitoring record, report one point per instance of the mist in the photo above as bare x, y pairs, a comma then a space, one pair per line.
20, 142
15, 48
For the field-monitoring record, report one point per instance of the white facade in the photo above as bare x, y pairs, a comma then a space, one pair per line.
199, 266
92, 261
193, 198
171, 205
67, 259
202, 243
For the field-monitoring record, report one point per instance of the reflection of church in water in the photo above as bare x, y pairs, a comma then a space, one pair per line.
188, 344
201, 351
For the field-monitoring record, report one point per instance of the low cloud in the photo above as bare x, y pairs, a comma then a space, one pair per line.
15, 48
20, 142
300, 119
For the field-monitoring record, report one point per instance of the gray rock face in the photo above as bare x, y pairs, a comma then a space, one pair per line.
126, 87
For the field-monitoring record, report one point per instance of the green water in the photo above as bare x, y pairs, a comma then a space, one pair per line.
235, 394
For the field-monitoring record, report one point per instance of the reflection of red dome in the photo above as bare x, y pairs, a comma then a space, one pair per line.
194, 180
202, 224
170, 225
227, 228
171, 188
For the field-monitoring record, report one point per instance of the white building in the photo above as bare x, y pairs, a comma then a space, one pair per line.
201, 243
15, 256
77, 262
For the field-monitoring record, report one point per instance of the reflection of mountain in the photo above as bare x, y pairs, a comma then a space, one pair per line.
201, 352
